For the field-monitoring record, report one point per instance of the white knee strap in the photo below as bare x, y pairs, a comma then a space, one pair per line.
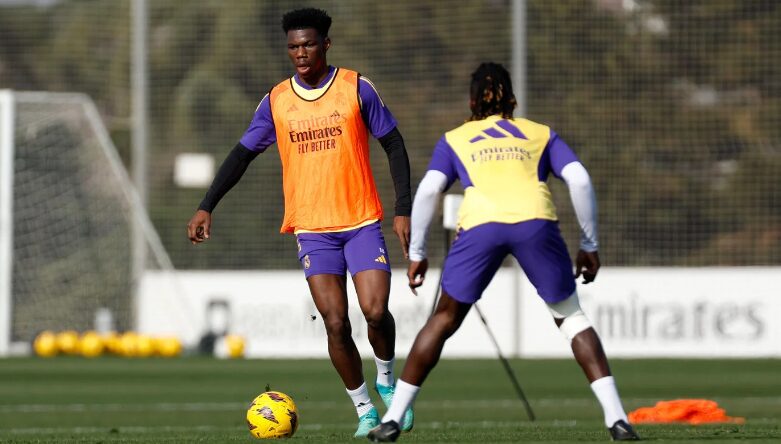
575, 321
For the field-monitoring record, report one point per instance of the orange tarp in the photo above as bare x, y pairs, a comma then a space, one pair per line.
691, 411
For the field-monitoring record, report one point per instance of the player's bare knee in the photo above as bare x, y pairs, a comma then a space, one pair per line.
375, 316
569, 317
444, 324
336, 326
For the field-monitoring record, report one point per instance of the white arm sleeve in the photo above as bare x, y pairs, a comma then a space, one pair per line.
584, 201
423, 208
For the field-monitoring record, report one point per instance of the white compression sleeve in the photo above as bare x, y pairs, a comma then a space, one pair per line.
423, 208
584, 202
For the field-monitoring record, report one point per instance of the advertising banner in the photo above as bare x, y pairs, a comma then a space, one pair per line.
642, 312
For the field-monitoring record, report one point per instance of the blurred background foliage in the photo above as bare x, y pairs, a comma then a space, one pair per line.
674, 107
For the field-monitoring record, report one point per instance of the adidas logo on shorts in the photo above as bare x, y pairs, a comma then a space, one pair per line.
381, 259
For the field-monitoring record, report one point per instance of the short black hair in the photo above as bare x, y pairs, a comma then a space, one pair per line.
492, 91
307, 18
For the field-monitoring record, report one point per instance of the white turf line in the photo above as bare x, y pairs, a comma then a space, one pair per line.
327, 405
311, 427
434, 425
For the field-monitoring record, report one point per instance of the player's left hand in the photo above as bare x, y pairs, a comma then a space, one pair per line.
416, 273
401, 228
587, 264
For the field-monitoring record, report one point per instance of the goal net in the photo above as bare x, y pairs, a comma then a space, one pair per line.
68, 218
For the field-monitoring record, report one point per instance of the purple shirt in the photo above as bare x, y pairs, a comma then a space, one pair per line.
556, 156
377, 117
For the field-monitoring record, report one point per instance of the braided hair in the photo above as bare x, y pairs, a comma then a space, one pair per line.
491, 91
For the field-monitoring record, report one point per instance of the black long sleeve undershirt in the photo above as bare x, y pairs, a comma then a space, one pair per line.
393, 144
237, 161
231, 170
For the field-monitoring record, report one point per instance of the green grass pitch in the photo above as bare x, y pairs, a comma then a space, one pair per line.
203, 400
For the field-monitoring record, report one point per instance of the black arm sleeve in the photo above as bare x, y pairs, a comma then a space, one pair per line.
393, 144
231, 170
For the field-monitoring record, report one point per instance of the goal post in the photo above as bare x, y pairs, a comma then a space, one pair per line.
69, 218
6, 218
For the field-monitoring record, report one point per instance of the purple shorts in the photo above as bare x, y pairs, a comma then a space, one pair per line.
477, 253
335, 253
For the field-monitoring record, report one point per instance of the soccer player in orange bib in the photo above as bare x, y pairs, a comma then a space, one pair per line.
503, 164
320, 119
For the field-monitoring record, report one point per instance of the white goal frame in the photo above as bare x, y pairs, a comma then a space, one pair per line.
6, 215
8, 101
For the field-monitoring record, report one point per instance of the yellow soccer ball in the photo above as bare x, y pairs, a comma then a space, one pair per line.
235, 346
229, 346
145, 346
168, 346
68, 342
112, 343
128, 344
272, 415
45, 344
91, 344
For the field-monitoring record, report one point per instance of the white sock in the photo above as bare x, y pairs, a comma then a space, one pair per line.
607, 394
403, 398
361, 401
384, 371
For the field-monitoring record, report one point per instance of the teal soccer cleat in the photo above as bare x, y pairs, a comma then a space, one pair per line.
367, 422
386, 393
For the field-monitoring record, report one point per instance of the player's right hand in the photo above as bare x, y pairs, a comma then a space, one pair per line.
198, 227
401, 228
587, 265
416, 273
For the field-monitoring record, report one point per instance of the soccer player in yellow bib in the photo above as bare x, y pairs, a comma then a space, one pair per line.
320, 119
503, 164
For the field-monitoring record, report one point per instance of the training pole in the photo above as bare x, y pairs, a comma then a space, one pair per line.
507, 368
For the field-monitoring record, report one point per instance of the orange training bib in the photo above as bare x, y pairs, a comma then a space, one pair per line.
324, 147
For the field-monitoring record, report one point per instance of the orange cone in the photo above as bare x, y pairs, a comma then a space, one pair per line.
691, 411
